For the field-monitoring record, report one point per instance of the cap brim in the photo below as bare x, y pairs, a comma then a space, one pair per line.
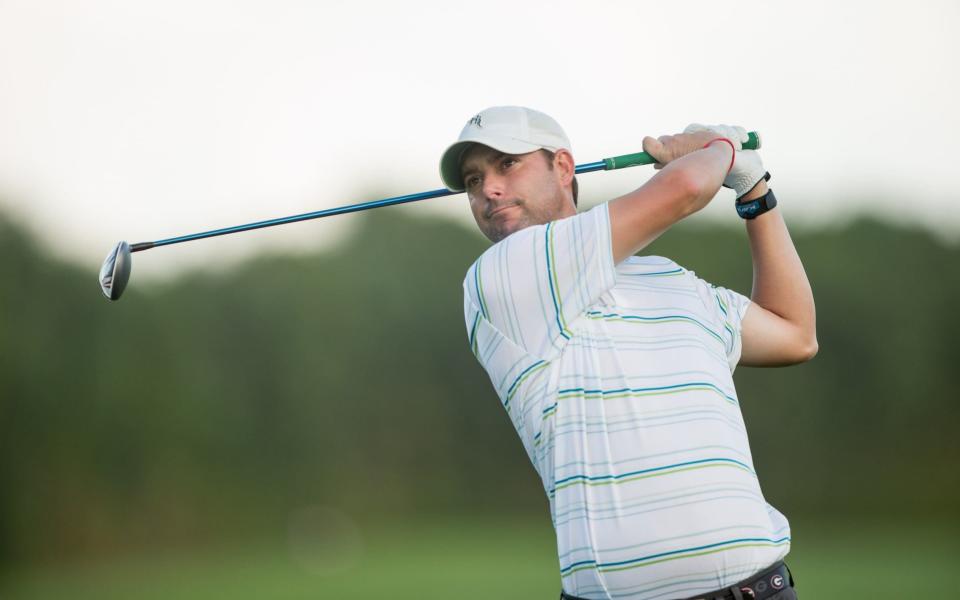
450, 161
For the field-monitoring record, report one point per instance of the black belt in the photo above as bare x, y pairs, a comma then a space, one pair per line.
763, 585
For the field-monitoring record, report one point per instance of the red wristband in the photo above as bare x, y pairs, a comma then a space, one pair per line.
732, 147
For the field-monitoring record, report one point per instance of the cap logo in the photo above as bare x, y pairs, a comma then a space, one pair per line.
476, 120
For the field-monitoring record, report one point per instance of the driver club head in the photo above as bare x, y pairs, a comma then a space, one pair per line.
115, 271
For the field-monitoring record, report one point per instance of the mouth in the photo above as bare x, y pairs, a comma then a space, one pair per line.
501, 209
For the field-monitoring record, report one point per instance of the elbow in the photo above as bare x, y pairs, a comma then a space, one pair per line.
798, 348
789, 355
806, 348
809, 350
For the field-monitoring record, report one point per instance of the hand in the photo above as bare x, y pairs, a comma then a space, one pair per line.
747, 172
668, 148
747, 168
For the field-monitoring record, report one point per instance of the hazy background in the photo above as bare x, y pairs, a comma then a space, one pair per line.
246, 422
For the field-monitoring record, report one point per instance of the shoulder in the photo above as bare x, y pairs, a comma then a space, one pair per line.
546, 247
652, 266
512, 244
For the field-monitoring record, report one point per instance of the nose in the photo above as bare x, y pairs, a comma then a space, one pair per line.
494, 186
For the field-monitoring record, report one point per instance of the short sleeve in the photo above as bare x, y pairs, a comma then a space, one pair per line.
725, 308
533, 285
732, 306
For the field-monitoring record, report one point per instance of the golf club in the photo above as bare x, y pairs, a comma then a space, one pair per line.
115, 271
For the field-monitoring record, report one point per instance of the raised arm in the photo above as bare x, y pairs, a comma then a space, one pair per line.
779, 327
691, 177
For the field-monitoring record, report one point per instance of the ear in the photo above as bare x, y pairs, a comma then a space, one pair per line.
564, 165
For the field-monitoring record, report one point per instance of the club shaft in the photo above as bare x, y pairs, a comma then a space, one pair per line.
296, 218
607, 164
585, 168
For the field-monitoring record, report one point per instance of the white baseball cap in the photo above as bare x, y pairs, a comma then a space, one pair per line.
509, 129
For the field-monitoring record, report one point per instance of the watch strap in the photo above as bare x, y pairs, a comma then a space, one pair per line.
756, 207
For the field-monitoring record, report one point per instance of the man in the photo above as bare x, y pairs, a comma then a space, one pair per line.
616, 370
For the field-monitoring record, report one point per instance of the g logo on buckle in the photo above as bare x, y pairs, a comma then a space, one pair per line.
776, 581
747, 592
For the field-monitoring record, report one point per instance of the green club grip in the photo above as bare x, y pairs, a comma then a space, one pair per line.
642, 158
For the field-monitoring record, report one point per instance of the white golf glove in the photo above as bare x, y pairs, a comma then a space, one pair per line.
747, 168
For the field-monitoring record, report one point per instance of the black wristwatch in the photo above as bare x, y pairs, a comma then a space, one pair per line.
757, 206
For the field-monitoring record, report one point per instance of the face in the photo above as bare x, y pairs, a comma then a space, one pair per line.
509, 192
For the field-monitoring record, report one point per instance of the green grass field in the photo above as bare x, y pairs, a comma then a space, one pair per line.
480, 559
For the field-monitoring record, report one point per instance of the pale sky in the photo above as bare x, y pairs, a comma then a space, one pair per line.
136, 120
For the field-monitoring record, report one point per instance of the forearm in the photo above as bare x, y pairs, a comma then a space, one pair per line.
703, 172
680, 189
780, 283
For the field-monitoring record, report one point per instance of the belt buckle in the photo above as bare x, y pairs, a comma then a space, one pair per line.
748, 592
777, 582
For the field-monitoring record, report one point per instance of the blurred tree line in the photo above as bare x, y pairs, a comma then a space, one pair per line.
210, 407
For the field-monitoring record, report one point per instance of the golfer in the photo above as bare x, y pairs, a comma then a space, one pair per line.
616, 370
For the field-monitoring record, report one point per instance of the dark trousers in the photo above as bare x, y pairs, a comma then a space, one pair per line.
773, 583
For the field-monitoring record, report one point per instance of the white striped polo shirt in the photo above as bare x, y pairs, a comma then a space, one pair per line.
618, 379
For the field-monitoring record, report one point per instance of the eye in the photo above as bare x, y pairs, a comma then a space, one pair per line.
471, 181
508, 162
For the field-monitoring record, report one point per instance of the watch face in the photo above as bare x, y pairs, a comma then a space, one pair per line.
769, 200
